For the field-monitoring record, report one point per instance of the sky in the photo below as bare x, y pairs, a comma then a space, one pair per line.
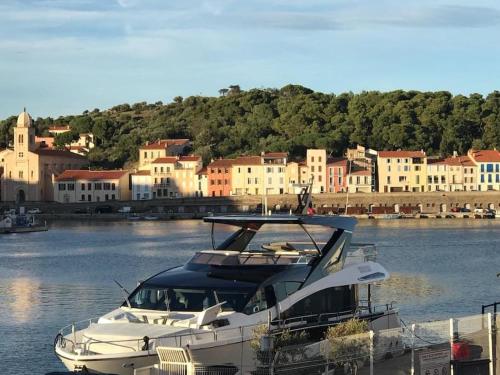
61, 57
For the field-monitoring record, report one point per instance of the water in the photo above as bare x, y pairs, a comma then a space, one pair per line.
50, 279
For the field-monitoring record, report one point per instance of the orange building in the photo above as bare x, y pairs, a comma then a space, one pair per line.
219, 177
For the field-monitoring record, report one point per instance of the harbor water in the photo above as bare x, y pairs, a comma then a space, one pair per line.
439, 268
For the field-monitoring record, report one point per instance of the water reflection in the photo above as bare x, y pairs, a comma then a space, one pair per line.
23, 298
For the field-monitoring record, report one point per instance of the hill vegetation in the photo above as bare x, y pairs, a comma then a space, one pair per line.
291, 119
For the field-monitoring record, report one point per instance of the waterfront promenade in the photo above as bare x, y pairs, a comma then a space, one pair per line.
428, 203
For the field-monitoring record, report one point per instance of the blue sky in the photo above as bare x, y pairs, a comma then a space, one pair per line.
64, 56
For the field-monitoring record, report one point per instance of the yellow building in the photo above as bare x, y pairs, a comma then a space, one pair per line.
274, 181
316, 164
400, 171
161, 149
359, 181
437, 175
91, 186
28, 169
175, 176
247, 176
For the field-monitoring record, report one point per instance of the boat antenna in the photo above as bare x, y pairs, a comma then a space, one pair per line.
125, 293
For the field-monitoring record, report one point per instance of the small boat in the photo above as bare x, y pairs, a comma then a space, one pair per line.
13, 223
151, 217
391, 216
134, 217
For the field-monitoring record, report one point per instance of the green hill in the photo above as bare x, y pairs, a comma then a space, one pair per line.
291, 119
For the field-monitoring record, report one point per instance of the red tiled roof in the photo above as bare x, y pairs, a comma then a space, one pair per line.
401, 154
276, 154
190, 158
361, 172
164, 143
431, 161
142, 173
174, 159
225, 163
485, 156
165, 160
61, 127
202, 171
82, 174
337, 161
58, 153
248, 160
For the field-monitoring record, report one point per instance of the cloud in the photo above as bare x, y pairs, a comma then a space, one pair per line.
445, 16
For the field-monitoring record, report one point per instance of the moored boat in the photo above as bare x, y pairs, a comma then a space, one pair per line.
210, 307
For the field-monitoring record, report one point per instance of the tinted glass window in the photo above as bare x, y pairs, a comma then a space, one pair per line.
327, 301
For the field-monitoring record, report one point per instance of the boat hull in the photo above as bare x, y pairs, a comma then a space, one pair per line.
123, 365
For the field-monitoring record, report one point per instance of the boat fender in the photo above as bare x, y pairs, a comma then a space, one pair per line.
146, 343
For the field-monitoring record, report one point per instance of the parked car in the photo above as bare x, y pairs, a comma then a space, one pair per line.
479, 210
104, 209
82, 210
465, 209
34, 211
456, 209
125, 210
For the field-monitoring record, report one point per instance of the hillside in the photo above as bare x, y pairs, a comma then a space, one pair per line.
291, 119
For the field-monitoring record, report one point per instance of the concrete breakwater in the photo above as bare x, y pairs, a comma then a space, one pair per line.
359, 204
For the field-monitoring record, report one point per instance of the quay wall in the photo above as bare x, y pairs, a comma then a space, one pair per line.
432, 203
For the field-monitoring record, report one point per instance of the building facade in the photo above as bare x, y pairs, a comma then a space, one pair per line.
488, 168
274, 169
28, 168
401, 171
316, 164
74, 186
141, 185
161, 149
247, 176
219, 177
337, 175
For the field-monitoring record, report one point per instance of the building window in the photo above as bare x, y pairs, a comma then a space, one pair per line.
106, 197
83, 188
113, 186
107, 186
156, 169
319, 159
97, 186
249, 170
71, 187
83, 197
482, 167
312, 168
320, 168
249, 180
21, 154
89, 187
21, 174
312, 159
61, 187
20, 139
489, 168
145, 155
219, 182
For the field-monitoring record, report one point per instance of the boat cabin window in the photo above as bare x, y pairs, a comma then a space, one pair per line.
193, 300
263, 299
327, 301
284, 288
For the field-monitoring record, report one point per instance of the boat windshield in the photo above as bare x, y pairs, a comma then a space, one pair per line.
189, 299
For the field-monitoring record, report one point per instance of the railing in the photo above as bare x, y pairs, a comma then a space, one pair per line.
241, 333
494, 305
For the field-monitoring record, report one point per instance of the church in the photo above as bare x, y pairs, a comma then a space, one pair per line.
27, 169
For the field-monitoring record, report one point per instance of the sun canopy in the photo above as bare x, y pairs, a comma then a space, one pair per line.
341, 222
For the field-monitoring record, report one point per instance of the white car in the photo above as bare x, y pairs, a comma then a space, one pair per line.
125, 210
35, 211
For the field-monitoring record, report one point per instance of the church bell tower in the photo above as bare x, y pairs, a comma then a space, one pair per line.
24, 136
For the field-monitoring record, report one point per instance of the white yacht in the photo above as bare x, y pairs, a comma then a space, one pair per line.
206, 311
